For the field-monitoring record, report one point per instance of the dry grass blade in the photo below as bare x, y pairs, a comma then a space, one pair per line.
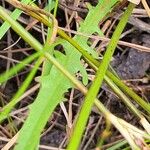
35, 10
146, 7
62, 58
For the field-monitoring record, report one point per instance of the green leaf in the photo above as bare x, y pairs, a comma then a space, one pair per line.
89, 27
48, 98
52, 85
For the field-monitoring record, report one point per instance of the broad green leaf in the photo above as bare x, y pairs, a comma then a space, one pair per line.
54, 85
89, 27
43, 106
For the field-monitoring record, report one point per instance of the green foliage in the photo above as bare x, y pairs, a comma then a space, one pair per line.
46, 102
53, 83
93, 91
22, 89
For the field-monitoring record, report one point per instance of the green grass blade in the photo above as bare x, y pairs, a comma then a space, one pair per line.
6, 109
118, 145
132, 94
92, 93
8, 74
124, 98
56, 77
127, 90
56, 7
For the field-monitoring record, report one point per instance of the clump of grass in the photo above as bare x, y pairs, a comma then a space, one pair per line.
57, 68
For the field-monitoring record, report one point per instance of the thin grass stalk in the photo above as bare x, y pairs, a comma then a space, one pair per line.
124, 98
15, 14
49, 41
6, 109
20, 30
56, 7
94, 63
105, 134
94, 89
129, 91
103, 109
12, 71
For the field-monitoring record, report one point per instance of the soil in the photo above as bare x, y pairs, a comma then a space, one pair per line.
131, 65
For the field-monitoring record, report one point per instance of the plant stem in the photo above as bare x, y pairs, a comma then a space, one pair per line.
93, 91
8, 74
94, 64
24, 86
